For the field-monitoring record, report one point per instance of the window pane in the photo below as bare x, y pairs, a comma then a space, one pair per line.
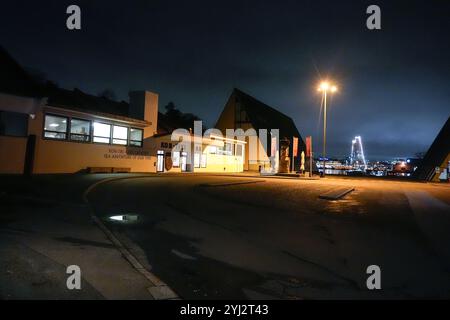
54, 135
120, 141
136, 143
102, 130
197, 160
79, 137
80, 126
176, 158
203, 160
212, 149
135, 134
55, 123
239, 150
101, 140
120, 133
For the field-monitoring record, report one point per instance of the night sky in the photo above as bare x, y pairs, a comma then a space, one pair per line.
394, 83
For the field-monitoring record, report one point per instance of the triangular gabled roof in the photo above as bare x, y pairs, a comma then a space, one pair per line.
262, 116
438, 152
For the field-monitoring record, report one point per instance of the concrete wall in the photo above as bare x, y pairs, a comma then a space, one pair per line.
12, 154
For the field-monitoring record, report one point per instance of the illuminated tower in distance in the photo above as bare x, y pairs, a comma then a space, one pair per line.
357, 158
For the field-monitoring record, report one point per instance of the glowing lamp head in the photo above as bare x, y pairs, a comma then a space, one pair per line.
324, 86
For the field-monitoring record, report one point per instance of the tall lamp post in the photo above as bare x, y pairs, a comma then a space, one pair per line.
325, 87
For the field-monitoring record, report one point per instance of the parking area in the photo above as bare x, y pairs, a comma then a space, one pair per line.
218, 236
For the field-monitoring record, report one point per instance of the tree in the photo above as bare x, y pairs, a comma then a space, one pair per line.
107, 94
178, 118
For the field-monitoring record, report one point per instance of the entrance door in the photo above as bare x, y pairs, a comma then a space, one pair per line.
29, 155
160, 161
183, 161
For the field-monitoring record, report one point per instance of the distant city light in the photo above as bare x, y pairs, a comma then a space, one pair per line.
357, 153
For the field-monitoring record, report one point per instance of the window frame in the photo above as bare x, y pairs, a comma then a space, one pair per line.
127, 140
90, 135
131, 141
203, 164
94, 136
173, 162
199, 164
54, 131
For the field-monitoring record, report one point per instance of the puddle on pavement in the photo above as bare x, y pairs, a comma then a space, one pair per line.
124, 218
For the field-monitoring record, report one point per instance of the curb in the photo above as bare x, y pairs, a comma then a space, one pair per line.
336, 194
159, 289
225, 184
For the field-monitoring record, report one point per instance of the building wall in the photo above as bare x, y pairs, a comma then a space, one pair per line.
12, 154
53, 156
260, 158
222, 163
69, 157
214, 162
144, 105
443, 166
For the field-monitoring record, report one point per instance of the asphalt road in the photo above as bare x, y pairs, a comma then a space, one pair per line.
241, 237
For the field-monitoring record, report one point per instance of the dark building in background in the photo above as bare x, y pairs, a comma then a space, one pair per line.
435, 165
243, 111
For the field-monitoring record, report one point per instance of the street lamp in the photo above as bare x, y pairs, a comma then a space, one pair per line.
325, 87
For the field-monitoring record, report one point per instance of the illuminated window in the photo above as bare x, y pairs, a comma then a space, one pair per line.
196, 160
203, 160
120, 135
80, 130
227, 149
102, 132
136, 136
55, 127
239, 150
176, 159
212, 149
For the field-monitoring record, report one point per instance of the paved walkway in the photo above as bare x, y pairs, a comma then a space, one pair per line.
40, 236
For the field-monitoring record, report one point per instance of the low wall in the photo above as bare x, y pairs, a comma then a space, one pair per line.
12, 154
